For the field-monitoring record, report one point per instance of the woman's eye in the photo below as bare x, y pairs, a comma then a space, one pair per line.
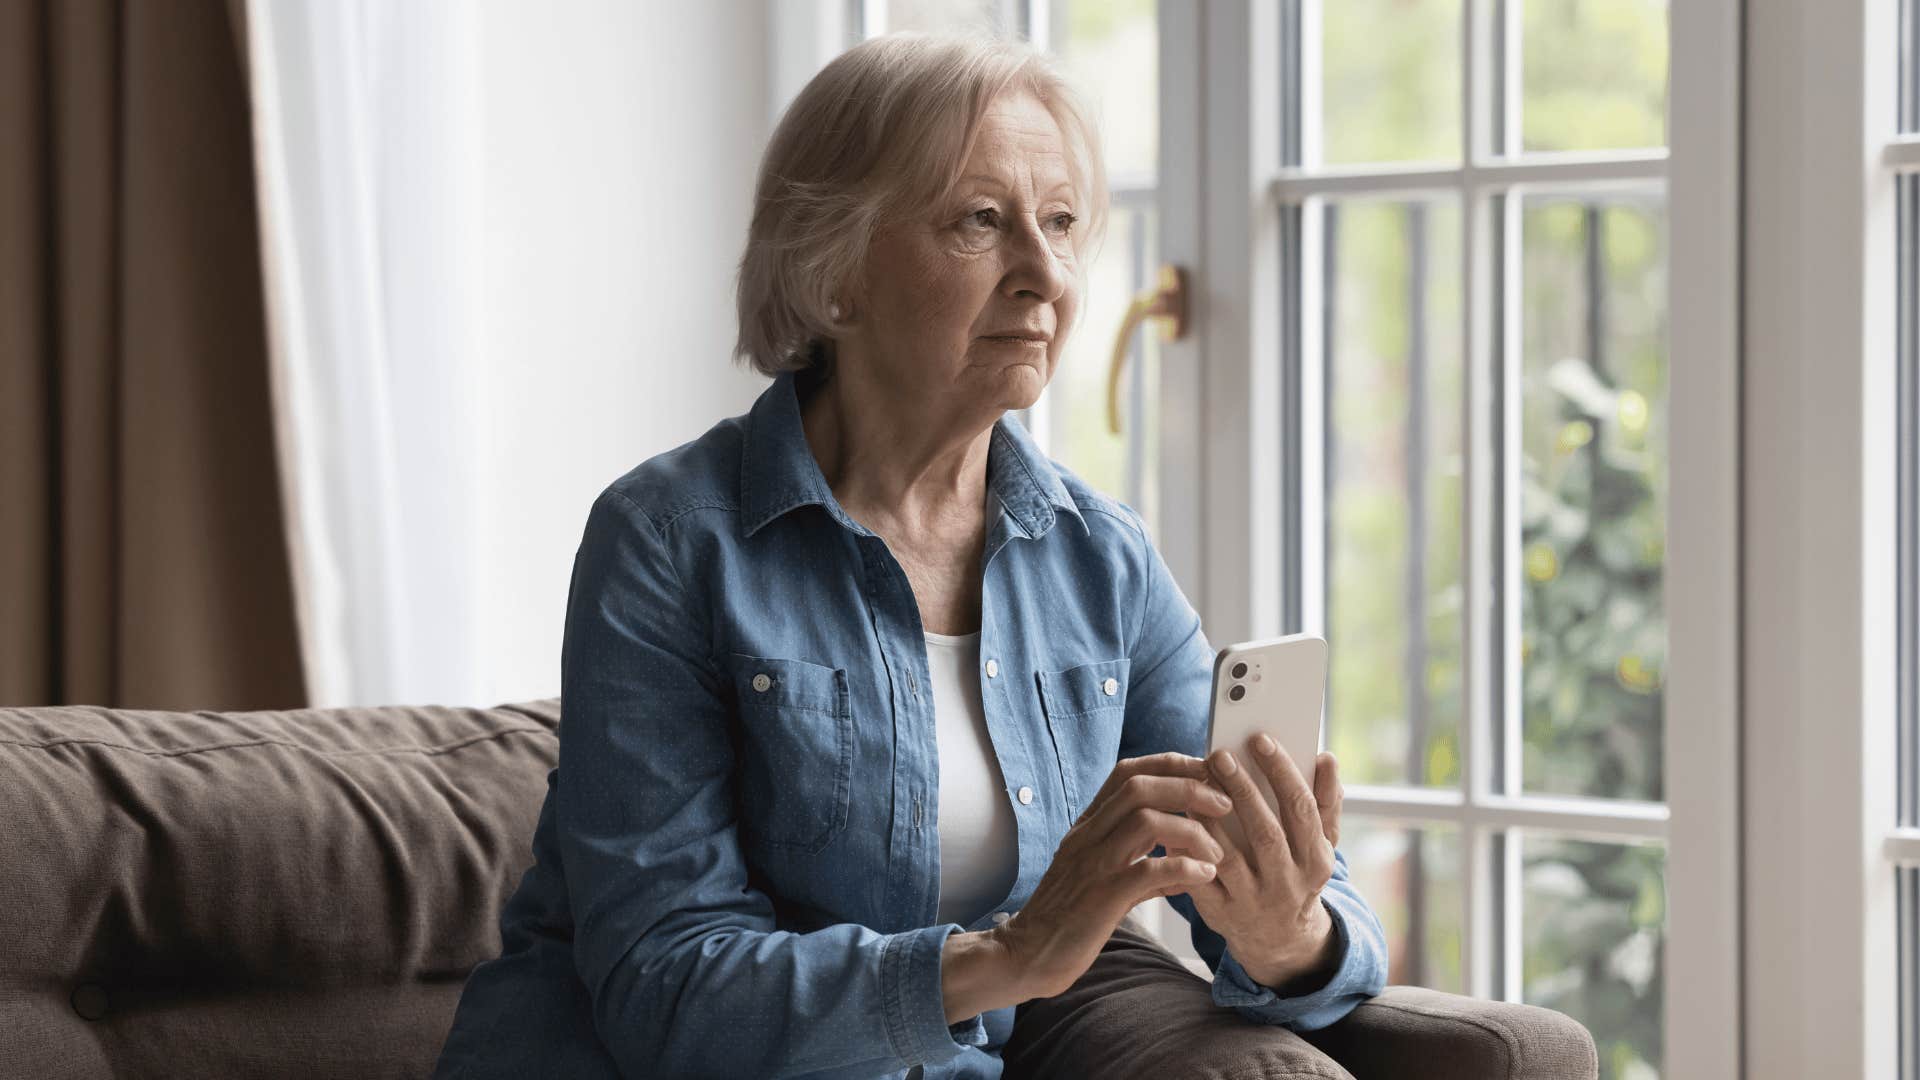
988, 217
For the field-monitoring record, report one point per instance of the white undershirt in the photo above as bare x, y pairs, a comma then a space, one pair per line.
979, 853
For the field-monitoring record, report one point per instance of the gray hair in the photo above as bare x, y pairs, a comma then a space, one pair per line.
881, 133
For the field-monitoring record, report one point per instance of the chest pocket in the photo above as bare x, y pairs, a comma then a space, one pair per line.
797, 752
1085, 707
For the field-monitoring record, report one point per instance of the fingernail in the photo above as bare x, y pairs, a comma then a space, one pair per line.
1263, 743
1227, 765
1206, 868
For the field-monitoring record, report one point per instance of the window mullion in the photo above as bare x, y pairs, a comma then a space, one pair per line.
1309, 131
1314, 420
1509, 49
1599, 819
1506, 364
1513, 946
1416, 465
1480, 874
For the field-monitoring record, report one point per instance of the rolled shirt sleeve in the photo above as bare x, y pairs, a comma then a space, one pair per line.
1166, 709
687, 972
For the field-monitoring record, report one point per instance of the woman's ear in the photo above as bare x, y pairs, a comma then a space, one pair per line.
851, 295
843, 306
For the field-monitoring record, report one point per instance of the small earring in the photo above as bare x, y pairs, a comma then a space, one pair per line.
835, 311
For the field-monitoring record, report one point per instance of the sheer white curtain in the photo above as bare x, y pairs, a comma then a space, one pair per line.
367, 132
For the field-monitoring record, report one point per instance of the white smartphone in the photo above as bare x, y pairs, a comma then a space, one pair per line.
1276, 685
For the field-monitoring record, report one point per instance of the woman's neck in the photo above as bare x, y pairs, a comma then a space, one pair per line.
896, 462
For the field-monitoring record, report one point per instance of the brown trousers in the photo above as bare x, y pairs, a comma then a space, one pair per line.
1138, 1012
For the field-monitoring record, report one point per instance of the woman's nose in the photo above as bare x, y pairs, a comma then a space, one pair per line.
1034, 266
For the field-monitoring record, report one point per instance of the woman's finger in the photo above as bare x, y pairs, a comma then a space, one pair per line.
1299, 812
1171, 794
1171, 763
1145, 828
1266, 841
1327, 792
1236, 875
1167, 876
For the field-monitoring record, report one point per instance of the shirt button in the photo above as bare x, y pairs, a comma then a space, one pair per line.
1001, 916
1026, 795
761, 682
1111, 686
913, 685
993, 668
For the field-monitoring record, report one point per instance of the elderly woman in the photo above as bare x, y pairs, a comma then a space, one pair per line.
878, 722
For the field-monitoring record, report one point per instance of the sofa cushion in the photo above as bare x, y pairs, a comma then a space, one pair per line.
287, 893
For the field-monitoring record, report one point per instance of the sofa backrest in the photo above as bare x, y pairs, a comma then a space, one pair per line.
284, 894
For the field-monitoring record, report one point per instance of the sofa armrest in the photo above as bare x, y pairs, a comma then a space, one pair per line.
1412, 1031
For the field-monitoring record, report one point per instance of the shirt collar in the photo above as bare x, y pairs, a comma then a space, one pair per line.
778, 472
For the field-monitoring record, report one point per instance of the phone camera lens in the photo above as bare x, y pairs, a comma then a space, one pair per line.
1237, 692
1240, 671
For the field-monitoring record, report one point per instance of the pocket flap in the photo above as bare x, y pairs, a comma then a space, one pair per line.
797, 684
1084, 689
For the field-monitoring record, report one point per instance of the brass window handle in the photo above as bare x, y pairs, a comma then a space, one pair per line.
1166, 305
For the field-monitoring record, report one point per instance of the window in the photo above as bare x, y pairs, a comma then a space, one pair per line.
1503, 765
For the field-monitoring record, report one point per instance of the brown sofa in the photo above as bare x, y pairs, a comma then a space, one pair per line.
302, 893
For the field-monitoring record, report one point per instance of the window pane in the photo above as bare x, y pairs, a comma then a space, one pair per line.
1410, 876
1593, 929
1390, 81
1594, 74
1393, 489
1111, 47
1079, 435
1593, 495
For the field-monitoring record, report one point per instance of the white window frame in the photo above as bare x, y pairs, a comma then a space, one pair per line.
1821, 532
1223, 191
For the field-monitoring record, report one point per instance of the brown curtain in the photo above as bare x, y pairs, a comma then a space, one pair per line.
143, 554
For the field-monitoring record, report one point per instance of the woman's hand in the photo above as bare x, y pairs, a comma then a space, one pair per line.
1265, 901
1100, 870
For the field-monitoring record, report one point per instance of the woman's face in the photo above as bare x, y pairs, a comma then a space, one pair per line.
944, 290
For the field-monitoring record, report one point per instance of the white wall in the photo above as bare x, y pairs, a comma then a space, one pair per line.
620, 147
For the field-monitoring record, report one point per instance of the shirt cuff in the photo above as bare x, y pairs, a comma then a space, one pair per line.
1234, 988
915, 1006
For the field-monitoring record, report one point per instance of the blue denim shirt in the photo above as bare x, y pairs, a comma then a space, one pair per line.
737, 864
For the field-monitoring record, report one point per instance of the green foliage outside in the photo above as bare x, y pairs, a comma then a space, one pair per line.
1593, 645
1593, 474
1379, 248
